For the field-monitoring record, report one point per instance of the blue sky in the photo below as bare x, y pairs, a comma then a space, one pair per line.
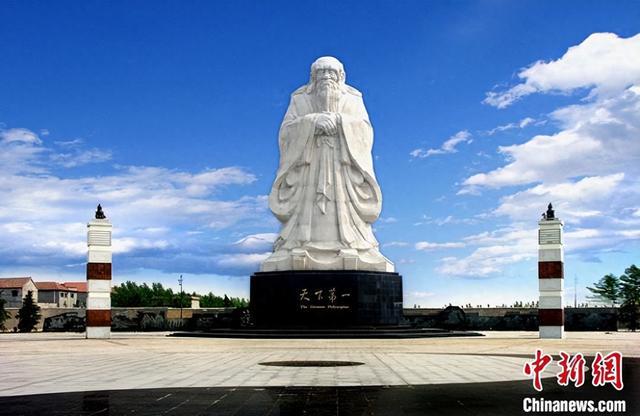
167, 113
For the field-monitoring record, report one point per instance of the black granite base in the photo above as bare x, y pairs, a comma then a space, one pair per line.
326, 299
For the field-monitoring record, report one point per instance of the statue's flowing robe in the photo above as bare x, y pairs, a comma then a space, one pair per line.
325, 192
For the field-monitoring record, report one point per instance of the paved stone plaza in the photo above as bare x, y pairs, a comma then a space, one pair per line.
53, 363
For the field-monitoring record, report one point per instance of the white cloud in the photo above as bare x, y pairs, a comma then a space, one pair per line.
20, 151
69, 143
81, 157
154, 230
543, 157
19, 135
243, 260
604, 63
17, 227
449, 146
630, 234
495, 250
395, 244
582, 233
518, 125
597, 138
152, 209
69, 248
589, 168
426, 245
257, 241
388, 220
575, 200
449, 219
128, 244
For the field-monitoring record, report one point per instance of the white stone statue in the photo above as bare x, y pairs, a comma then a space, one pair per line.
325, 194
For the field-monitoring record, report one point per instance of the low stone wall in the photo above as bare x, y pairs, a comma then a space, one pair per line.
168, 319
453, 317
510, 319
130, 319
53, 319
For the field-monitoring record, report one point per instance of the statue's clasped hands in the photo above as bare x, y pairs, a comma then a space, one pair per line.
327, 124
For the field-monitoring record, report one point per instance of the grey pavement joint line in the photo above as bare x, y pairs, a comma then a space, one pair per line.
390, 369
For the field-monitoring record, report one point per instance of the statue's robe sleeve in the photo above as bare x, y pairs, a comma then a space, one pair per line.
295, 139
363, 189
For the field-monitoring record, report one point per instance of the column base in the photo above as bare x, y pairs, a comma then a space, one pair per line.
551, 332
98, 332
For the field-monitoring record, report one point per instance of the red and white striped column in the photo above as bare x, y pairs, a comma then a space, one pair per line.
99, 276
550, 276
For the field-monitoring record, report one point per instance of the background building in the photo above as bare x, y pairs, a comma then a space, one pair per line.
54, 294
81, 292
14, 289
46, 294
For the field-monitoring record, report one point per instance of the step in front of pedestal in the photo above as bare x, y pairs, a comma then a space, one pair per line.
348, 333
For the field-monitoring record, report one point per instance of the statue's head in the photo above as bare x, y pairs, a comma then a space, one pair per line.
327, 68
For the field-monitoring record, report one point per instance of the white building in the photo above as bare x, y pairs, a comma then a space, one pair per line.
54, 294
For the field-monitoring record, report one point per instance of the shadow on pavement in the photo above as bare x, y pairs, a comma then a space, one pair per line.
500, 398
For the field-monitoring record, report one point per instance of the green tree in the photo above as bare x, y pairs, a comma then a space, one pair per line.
210, 301
213, 301
630, 295
127, 294
131, 294
4, 315
29, 314
606, 290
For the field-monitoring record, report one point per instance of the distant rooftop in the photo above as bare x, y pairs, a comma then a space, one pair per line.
13, 282
19, 282
79, 286
53, 286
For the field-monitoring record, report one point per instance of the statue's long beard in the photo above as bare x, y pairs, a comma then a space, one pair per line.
327, 96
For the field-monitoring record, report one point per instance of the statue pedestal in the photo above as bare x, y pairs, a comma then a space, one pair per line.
336, 259
312, 299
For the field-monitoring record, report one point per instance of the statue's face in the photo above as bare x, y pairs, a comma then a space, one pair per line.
327, 74
327, 71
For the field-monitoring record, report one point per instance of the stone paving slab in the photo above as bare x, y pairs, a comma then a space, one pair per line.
50, 363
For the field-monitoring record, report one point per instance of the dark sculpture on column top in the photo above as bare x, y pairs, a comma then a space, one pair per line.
100, 214
550, 214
